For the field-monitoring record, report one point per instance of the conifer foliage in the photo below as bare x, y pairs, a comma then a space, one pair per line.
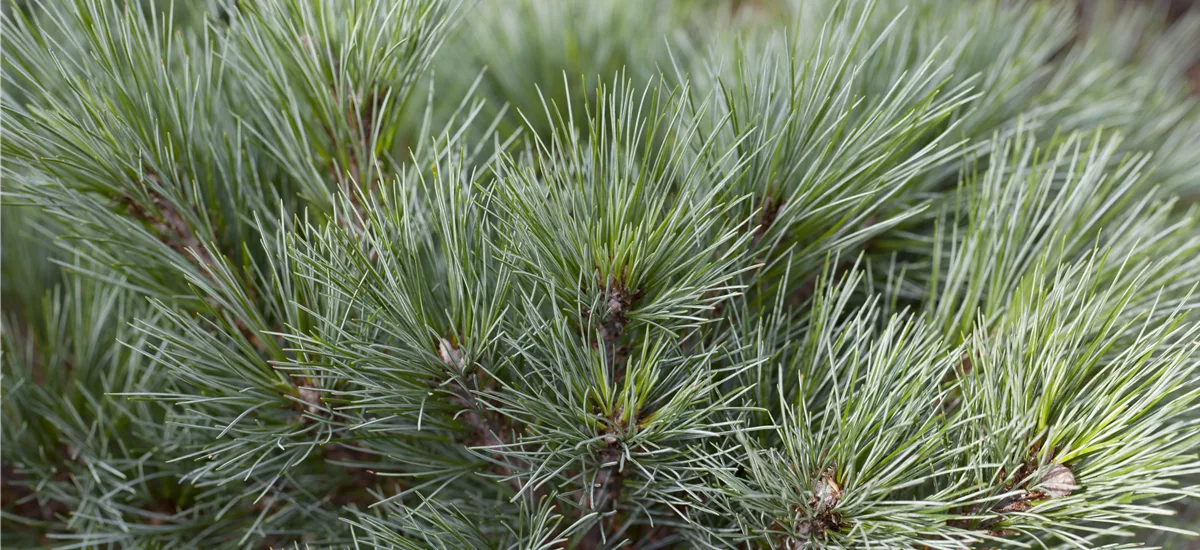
586, 274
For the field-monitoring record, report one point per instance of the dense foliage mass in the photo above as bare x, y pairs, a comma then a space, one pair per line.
599, 274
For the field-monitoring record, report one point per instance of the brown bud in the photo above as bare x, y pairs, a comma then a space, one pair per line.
827, 493
1058, 482
311, 398
450, 354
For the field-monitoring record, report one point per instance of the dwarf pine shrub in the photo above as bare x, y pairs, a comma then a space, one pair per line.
585, 274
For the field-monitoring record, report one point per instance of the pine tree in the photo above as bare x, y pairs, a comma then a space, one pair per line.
599, 274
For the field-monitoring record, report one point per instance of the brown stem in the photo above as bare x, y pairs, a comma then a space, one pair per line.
768, 213
609, 482
486, 430
605, 492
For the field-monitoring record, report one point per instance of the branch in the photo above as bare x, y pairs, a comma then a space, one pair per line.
609, 483
485, 428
